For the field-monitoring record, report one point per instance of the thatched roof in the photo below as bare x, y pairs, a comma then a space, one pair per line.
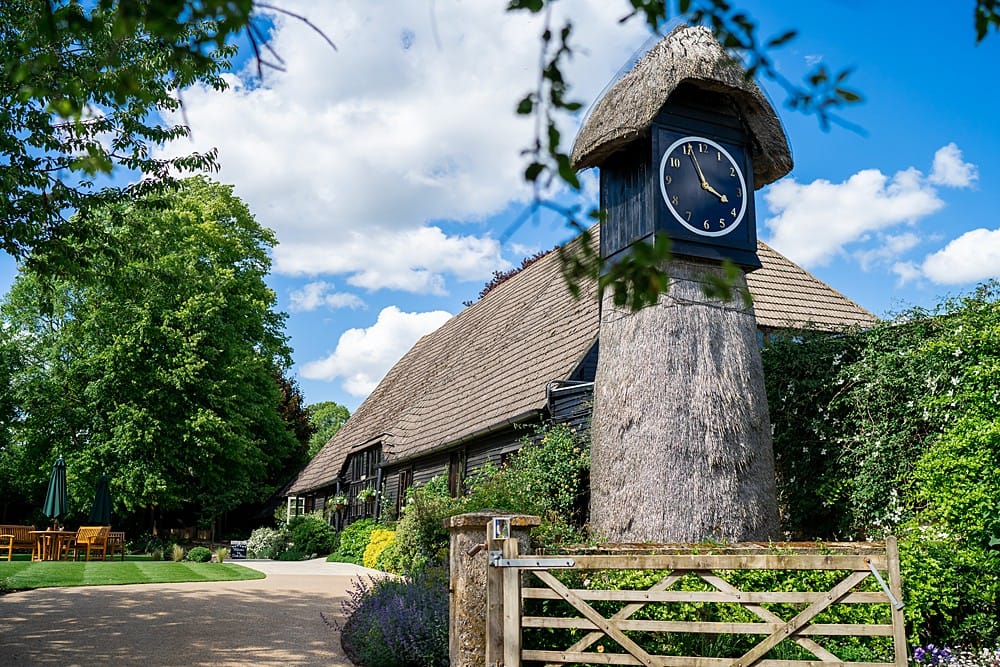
488, 366
687, 54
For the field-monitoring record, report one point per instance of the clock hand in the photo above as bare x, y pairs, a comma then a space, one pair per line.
701, 176
709, 188
704, 181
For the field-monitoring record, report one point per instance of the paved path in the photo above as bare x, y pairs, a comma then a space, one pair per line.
271, 621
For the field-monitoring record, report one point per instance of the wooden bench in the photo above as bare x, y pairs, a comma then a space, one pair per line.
16, 537
90, 538
116, 542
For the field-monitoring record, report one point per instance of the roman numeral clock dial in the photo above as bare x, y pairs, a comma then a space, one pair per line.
703, 186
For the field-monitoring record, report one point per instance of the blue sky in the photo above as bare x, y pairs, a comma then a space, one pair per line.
390, 169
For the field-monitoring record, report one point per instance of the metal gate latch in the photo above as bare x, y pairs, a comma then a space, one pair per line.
497, 560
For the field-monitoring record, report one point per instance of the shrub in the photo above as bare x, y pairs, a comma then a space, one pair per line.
291, 554
221, 554
397, 622
177, 553
354, 540
265, 543
147, 543
311, 534
386, 558
547, 477
377, 543
421, 539
199, 555
891, 430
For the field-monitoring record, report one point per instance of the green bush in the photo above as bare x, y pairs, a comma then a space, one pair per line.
421, 538
353, 541
265, 543
199, 555
292, 554
386, 558
546, 477
892, 430
311, 534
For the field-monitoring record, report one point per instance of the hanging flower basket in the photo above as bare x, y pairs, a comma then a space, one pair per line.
366, 494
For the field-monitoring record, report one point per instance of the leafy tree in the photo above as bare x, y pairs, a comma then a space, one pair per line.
326, 418
297, 416
82, 85
160, 368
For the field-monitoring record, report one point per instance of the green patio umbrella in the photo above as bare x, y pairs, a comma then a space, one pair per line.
100, 514
55, 497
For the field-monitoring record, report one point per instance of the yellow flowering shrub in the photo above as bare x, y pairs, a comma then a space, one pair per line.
378, 542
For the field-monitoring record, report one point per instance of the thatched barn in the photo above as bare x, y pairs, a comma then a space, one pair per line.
524, 353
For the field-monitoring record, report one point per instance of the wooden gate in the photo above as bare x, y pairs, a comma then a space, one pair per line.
857, 567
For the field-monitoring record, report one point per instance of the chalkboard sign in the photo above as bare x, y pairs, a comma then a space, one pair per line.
237, 549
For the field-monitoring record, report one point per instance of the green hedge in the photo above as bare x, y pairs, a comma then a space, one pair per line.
897, 430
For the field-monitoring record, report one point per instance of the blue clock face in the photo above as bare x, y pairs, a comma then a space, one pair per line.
703, 186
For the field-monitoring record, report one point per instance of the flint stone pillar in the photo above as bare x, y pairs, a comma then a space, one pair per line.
468, 611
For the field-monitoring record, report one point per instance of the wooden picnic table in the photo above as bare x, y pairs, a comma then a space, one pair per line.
50, 544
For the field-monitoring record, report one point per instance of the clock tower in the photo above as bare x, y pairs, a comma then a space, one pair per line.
681, 442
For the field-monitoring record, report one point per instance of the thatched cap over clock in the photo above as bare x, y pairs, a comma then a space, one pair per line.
689, 54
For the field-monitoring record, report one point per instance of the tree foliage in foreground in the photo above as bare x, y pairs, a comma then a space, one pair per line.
160, 368
82, 86
894, 430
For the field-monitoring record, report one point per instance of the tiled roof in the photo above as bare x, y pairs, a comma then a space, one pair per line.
786, 296
489, 364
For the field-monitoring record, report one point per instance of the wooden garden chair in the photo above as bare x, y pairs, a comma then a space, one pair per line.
90, 539
116, 542
16, 537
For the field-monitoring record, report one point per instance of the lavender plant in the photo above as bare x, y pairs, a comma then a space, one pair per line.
932, 655
397, 622
960, 657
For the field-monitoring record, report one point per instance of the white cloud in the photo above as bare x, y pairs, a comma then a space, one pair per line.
363, 356
410, 260
891, 246
907, 272
357, 154
950, 170
319, 294
972, 257
813, 222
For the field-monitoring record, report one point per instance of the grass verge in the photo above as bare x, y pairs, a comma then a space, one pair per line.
21, 575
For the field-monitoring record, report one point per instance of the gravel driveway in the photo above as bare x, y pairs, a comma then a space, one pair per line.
271, 621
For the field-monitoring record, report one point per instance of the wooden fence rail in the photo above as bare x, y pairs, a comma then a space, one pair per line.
855, 563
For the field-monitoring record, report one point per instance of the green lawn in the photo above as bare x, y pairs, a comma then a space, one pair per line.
17, 575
